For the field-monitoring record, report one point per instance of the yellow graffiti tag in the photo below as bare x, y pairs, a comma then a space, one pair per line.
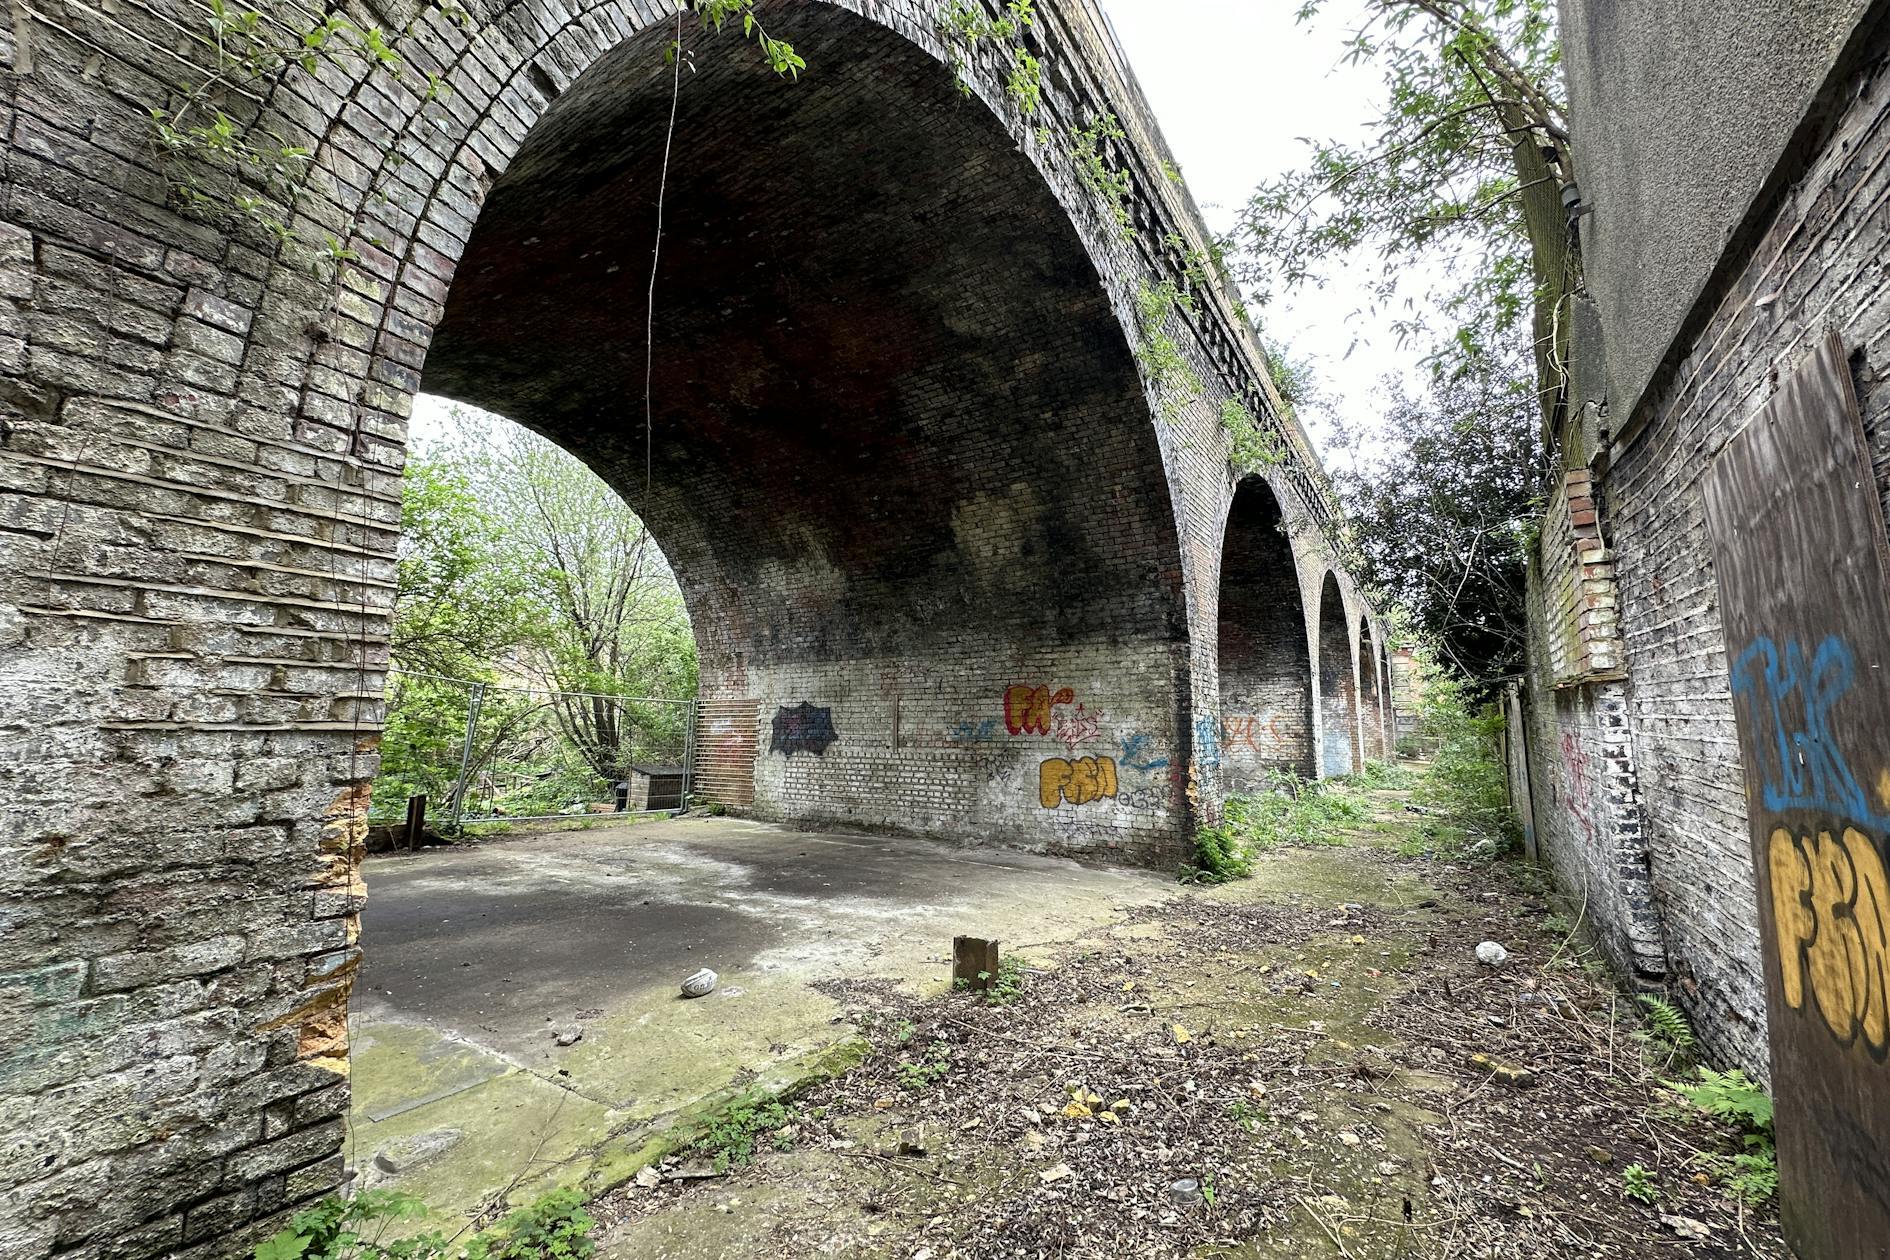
1079, 782
1831, 910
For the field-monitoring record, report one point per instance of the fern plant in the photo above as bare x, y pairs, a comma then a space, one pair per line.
1749, 1175
1668, 1024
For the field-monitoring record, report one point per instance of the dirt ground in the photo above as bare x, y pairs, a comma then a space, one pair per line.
1309, 1063
518, 1024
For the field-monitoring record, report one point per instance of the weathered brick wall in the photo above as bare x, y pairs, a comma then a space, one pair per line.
1816, 266
1581, 620
1374, 697
200, 442
1338, 683
1586, 805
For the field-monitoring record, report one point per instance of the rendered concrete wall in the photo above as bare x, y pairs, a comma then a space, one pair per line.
1682, 109
200, 443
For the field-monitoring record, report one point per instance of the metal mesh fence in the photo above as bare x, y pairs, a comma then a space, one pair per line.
485, 752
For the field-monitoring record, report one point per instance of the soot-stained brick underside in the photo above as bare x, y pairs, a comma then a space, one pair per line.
1265, 669
891, 402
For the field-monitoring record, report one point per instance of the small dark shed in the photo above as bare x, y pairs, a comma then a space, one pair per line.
654, 787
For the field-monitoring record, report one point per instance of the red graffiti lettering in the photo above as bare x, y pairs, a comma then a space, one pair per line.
1027, 709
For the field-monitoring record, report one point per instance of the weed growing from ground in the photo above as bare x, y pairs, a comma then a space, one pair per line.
1003, 988
1749, 1175
1638, 1183
919, 1072
1249, 1116
1291, 811
556, 1227
729, 1137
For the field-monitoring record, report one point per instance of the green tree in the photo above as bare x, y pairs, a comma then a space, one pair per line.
1441, 501
608, 620
1461, 181
458, 598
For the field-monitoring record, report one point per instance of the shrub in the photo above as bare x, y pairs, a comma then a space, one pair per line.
1466, 783
556, 1227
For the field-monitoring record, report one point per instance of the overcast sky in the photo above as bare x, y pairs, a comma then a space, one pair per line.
1236, 85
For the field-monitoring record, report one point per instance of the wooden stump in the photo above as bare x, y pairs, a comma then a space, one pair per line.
416, 821
974, 963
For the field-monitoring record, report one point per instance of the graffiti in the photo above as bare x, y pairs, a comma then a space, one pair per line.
973, 732
1078, 782
1138, 753
1207, 741
1831, 911
1239, 732
1143, 798
1073, 729
802, 728
1811, 769
1027, 709
1577, 763
1576, 794
1811, 772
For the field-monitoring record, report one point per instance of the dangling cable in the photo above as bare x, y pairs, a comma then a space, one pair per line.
656, 253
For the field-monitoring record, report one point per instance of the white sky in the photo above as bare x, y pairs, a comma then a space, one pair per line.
1236, 85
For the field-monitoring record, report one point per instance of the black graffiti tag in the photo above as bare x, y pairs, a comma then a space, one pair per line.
802, 728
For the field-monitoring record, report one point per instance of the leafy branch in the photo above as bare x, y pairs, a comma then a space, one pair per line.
966, 26
221, 168
1460, 177
778, 53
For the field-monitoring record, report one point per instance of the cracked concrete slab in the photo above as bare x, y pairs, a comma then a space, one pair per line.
477, 956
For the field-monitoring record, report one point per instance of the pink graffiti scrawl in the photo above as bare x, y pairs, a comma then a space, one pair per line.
1077, 728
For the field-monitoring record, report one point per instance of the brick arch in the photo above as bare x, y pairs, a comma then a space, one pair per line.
1338, 683
1371, 695
200, 444
902, 460
1265, 669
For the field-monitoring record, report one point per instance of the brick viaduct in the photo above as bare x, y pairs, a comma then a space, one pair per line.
907, 460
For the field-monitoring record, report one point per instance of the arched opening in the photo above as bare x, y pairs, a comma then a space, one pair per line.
1371, 695
1338, 688
901, 461
1265, 668
902, 466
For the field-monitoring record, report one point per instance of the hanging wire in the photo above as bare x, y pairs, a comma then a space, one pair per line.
656, 253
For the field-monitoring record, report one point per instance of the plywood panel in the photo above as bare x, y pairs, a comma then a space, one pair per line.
1799, 552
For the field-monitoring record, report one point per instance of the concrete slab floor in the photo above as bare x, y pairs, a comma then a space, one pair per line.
477, 957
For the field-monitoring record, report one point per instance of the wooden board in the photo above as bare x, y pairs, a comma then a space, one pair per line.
1799, 553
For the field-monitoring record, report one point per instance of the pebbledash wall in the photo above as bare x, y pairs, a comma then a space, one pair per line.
954, 561
1769, 149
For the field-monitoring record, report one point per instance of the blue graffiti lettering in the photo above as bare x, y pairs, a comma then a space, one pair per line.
1811, 772
1138, 753
974, 732
1207, 741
